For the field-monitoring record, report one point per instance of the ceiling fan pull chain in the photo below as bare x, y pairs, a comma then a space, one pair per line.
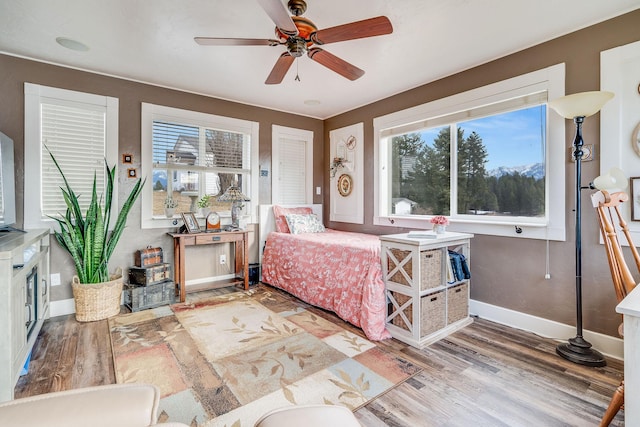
297, 69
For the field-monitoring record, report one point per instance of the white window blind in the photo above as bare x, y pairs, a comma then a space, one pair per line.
292, 162
75, 135
81, 130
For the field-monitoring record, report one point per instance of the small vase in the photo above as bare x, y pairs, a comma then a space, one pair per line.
439, 228
169, 212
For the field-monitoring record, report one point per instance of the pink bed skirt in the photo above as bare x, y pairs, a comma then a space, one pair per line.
335, 270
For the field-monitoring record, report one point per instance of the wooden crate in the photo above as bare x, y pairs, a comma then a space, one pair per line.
149, 256
138, 297
150, 275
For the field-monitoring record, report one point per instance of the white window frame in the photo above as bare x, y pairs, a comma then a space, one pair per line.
551, 79
34, 94
152, 112
304, 136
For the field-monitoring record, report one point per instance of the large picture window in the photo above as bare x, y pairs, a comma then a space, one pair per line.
483, 158
191, 155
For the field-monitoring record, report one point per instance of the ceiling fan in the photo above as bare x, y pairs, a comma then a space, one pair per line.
301, 36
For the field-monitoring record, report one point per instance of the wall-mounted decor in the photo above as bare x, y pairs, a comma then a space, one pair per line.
345, 185
635, 139
127, 158
635, 198
347, 174
132, 173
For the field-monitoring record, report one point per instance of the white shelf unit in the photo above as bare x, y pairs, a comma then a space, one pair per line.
24, 300
423, 306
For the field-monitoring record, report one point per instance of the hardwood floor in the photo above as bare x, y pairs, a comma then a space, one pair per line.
484, 375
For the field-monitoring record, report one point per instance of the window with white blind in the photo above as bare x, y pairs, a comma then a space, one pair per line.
292, 160
187, 155
80, 130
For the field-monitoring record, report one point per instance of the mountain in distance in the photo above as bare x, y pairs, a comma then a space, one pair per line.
160, 175
535, 170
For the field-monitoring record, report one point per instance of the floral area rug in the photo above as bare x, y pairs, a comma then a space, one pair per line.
227, 360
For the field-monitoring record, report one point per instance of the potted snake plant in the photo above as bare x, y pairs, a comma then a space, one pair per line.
86, 237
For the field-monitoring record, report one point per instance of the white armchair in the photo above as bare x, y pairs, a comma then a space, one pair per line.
121, 405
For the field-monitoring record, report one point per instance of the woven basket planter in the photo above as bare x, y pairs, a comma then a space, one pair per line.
97, 301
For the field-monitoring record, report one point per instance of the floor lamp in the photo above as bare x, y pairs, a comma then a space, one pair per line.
577, 107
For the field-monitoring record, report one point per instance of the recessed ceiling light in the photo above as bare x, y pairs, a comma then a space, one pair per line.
72, 44
311, 102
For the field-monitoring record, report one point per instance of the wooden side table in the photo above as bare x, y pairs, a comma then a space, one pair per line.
238, 238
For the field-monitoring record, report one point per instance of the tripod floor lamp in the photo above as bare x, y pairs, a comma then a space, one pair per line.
577, 107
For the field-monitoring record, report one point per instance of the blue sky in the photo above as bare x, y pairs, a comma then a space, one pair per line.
511, 139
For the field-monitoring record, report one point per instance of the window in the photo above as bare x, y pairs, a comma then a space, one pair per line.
292, 159
188, 155
81, 130
481, 157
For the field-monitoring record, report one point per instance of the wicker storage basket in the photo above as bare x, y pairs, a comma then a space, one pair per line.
430, 268
457, 302
97, 301
432, 316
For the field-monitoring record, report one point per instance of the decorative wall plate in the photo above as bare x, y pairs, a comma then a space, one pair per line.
351, 142
345, 185
635, 139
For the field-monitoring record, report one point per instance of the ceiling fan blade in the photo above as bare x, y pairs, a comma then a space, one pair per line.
334, 63
224, 41
279, 15
280, 69
377, 26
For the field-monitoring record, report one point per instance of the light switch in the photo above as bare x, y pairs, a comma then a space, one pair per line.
318, 191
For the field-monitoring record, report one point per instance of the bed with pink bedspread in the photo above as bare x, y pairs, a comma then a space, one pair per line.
335, 270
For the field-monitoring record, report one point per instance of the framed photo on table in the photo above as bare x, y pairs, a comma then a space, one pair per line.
190, 222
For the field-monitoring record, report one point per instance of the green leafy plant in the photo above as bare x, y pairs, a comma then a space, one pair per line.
87, 238
204, 201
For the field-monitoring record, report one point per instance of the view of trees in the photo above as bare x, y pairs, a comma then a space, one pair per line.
421, 174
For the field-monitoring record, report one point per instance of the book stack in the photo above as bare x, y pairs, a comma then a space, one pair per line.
457, 268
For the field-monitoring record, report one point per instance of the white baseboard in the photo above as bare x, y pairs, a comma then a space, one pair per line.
62, 307
605, 344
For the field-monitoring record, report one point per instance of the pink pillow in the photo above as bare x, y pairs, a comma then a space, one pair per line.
279, 213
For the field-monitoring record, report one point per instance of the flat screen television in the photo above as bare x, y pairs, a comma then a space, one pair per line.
7, 185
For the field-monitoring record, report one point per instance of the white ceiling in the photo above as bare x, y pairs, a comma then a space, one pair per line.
152, 41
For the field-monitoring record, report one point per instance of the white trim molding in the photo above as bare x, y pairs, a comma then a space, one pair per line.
608, 345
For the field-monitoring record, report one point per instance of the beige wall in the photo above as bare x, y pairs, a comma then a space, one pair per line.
509, 272
15, 71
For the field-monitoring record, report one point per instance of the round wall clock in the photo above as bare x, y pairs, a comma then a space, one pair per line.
345, 185
213, 221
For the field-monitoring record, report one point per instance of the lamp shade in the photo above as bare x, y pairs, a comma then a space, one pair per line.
613, 179
233, 194
582, 104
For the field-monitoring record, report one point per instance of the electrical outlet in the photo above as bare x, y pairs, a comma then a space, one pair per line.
223, 259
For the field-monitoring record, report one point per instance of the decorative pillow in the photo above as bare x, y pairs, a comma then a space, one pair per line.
304, 223
279, 213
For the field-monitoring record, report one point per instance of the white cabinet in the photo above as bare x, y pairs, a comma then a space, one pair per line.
425, 303
24, 300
